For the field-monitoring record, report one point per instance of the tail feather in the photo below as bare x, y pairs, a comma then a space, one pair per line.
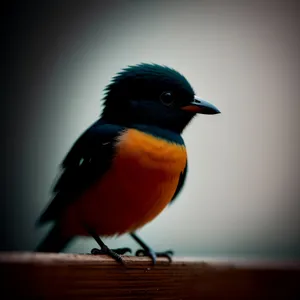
54, 241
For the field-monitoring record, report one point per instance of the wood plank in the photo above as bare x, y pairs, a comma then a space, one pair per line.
83, 276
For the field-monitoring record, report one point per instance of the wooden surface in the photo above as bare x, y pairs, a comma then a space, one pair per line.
57, 276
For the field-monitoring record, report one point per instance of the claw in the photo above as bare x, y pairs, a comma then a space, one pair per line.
150, 253
111, 253
122, 251
168, 254
147, 251
140, 252
96, 251
153, 255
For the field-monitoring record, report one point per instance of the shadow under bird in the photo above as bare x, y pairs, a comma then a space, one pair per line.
127, 166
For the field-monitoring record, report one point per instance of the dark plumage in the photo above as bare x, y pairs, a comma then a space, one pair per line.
134, 96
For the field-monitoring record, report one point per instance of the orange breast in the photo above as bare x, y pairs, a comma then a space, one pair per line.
140, 183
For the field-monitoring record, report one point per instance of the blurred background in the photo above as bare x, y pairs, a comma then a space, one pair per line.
242, 195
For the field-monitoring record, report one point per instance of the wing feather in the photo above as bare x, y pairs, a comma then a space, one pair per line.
89, 158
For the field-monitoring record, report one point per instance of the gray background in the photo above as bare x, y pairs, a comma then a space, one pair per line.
242, 192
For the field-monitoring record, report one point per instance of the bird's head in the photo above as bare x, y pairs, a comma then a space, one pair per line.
151, 94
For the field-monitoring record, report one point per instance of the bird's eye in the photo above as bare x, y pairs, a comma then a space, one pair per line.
167, 98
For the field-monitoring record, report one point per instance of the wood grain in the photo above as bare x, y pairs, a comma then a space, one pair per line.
56, 276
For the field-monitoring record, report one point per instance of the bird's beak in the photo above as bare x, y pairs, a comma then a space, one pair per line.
200, 106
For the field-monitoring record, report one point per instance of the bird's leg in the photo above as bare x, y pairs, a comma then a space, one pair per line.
114, 253
147, 251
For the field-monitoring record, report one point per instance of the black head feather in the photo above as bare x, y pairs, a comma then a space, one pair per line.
135, 96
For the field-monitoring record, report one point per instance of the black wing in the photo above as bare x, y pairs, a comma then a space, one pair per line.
180, 183
89, 158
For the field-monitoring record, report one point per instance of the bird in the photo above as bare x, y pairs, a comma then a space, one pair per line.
128, 165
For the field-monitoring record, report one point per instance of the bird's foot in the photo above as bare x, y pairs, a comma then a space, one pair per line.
153, 255
120, 251
113, 253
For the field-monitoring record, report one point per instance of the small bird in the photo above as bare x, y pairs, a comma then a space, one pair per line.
128, 165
